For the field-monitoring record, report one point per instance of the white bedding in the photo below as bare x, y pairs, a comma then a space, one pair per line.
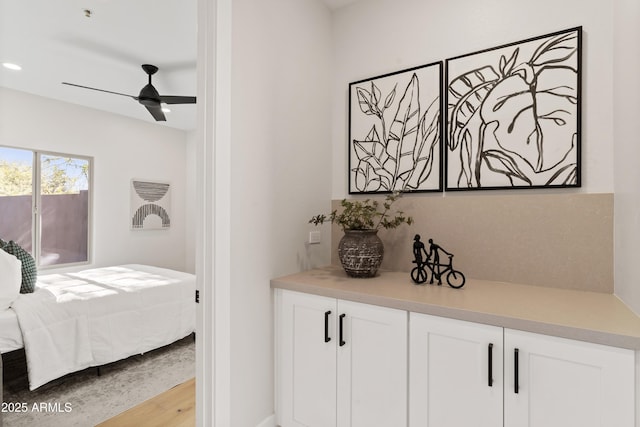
97, 316
11, 336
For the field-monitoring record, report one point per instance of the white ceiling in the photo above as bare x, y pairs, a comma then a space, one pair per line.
54, 41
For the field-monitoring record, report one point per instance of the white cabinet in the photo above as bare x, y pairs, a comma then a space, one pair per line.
346, 364
555, 382
340, 363
307, 364
455, 373
544, 381
372, 366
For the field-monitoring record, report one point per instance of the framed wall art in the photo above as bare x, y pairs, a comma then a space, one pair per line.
513, 115
150, 205
395, 132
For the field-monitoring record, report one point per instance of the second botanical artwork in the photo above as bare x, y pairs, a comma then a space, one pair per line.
513, 115
394, 132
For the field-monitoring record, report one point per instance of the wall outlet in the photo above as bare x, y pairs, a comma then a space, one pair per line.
314, 237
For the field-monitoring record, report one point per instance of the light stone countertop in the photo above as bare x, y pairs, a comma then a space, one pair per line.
599, 318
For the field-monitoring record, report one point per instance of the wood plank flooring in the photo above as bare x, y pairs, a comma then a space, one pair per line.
175, 408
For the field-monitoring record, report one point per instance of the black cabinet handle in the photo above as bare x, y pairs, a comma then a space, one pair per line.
490, 375
327, 338
516, 382
342, 342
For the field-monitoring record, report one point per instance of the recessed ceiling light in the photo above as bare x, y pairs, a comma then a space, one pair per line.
11, 66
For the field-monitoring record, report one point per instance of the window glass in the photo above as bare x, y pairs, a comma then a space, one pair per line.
16, 196
64, 210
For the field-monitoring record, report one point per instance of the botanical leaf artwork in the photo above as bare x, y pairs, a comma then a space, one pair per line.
513, 115
394, 132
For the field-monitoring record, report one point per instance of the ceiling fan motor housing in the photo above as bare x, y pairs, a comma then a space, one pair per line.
149, 95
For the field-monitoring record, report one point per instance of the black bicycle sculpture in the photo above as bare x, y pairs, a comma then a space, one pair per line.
420, 272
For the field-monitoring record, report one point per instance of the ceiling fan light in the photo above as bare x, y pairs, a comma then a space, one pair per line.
11, 66
164, 108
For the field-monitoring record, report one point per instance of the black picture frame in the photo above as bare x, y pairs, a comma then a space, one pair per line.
395, 131
513, 115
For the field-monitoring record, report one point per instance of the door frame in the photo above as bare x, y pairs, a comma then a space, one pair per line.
213, 194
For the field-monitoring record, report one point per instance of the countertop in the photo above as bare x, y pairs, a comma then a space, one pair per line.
599, 318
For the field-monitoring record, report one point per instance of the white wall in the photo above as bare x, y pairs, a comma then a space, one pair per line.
122, 149
374, 37
190, 201
367, 42
280, 175
627, 151
291, 65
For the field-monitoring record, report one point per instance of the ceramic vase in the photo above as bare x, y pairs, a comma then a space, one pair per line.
360, 252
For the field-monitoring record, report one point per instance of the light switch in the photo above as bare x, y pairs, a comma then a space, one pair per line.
314, 237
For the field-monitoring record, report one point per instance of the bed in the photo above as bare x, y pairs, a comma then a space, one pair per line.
97, 316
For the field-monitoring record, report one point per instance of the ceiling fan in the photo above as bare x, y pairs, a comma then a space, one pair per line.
149, 96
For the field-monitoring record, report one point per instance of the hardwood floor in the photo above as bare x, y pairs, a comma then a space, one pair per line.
175, 408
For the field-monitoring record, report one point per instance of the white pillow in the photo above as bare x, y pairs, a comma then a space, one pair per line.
10, 279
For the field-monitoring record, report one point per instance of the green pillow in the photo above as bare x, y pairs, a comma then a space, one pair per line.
29, 269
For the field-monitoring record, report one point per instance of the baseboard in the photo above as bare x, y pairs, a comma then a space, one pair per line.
270, 421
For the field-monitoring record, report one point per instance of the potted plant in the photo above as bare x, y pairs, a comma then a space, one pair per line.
360, 250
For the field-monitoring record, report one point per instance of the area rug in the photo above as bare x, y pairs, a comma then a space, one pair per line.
85, 399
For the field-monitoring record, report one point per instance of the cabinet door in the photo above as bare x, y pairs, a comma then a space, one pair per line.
455, 373
565, 383
307, 361
372, 366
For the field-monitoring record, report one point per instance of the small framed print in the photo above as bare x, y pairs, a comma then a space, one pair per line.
150, 205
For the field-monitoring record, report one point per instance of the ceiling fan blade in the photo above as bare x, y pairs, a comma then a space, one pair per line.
178, 99
156, 112
100, 90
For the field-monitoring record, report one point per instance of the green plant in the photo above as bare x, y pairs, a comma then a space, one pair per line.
366, 215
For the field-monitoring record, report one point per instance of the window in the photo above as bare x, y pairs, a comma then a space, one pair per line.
44, 204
